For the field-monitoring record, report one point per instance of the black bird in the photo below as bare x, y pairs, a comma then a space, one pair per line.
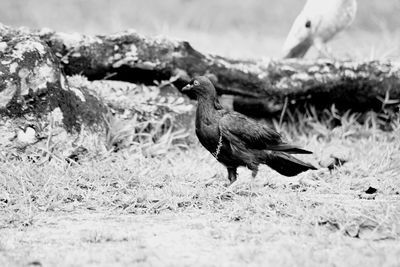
235, 140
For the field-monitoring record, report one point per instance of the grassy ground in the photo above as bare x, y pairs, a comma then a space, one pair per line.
174, 209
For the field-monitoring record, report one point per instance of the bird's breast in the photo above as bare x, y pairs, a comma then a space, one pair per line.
208, 135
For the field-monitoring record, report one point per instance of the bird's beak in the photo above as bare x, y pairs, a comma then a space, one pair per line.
187, 87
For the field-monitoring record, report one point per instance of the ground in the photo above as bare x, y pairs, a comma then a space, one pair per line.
174, 210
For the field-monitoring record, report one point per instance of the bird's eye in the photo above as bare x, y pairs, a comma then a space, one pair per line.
196, 83
308, 24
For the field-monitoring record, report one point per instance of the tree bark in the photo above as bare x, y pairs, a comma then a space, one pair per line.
132, 57
41, 107
43, 102
32, 84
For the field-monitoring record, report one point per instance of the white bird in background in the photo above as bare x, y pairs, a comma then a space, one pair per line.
318, 22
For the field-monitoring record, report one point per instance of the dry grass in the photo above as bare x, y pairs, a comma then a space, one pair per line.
154, 203
172, 208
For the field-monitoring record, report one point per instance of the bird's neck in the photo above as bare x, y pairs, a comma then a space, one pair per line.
207, 108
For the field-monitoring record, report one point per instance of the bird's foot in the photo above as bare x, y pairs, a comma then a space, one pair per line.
243, 188
253, 189
233, 184
228, 184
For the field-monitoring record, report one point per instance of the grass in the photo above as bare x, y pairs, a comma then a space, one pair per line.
172, 207
157, 203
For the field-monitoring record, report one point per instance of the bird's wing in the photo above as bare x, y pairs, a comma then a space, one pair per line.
236, 127
240, 130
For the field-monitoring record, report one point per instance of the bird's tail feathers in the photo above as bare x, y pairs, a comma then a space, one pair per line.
287, 165
290, 149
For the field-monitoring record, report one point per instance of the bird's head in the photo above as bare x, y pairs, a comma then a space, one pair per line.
201, 87
300, 37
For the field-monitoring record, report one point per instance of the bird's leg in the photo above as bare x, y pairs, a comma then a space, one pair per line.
232, 174
254, 171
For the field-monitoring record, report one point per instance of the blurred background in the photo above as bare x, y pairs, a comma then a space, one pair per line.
235, 28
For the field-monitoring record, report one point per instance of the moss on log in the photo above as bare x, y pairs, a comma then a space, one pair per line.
32, 84
42, 108
132, 57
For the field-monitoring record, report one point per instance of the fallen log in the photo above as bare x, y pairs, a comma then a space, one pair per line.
132, 57
43, 102
46, 112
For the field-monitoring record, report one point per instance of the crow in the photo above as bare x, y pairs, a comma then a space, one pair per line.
236, 140
317, 23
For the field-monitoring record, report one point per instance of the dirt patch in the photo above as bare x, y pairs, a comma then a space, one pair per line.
187, 239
